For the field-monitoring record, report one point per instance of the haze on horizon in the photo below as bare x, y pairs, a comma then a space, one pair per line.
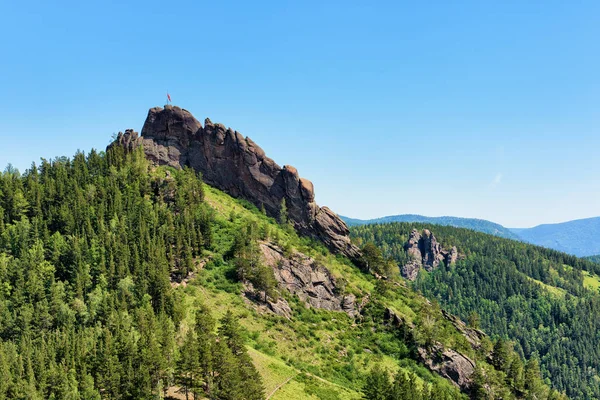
472, 110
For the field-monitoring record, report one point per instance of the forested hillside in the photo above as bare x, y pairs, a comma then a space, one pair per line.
86, 306
544, 301
120, 280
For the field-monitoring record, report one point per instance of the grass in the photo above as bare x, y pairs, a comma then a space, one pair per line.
327, 354
591, 281
555, 291
274, 372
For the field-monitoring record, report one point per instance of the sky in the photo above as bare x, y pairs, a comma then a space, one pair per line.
465, 108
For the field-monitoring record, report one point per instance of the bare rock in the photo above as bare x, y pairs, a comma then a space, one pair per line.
411, 269
425, 252
238, 166
304, 277
395, 320
413, 246
280, 307
450, 364
452, 255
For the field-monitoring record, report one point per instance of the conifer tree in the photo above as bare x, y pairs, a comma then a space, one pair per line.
377, 384
205, 342
283, 212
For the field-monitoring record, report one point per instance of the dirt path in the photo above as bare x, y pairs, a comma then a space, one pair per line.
280, 386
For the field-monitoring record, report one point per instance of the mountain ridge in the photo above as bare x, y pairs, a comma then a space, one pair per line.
235, 164
580, 237
477, 224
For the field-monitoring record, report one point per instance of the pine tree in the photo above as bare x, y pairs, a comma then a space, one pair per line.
205, 343
283, 212
230, 334
401, 388
534, 385
377, 384
479, 390
500, 355
188, 366
228, 382
264, 281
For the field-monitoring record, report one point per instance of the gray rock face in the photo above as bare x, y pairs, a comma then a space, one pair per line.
425, 252
450, 364
311, 282
239, 167
280, 307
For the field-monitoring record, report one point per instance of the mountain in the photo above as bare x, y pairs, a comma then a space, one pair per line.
228, 161
579, 237
544, 301
595, 259
124, 275
475, 224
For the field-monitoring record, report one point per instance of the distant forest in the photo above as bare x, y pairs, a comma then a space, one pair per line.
541, 299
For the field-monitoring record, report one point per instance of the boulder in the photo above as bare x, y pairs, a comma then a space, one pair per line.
280, 307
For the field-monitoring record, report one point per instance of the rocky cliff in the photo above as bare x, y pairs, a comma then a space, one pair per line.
235, 164
304, 277
425, 252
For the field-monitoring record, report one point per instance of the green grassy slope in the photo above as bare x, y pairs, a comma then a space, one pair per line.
326, 354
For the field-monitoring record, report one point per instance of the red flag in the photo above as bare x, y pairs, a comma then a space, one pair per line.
168, 96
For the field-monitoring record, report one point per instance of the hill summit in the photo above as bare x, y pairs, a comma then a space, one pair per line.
238, 166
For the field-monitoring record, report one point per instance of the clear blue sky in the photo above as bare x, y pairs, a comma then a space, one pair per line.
467, 108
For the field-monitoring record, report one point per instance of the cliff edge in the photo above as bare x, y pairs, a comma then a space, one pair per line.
238, 166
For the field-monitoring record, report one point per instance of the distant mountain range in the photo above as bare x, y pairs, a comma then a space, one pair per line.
595, 259
480, 225
579, 237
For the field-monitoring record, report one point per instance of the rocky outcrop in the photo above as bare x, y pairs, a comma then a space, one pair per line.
425, 252
473, 336
311, 282
238, 166
450, 364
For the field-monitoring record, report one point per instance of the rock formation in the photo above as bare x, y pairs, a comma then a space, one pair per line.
450, 364
425, 252
239, 167
304, 277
